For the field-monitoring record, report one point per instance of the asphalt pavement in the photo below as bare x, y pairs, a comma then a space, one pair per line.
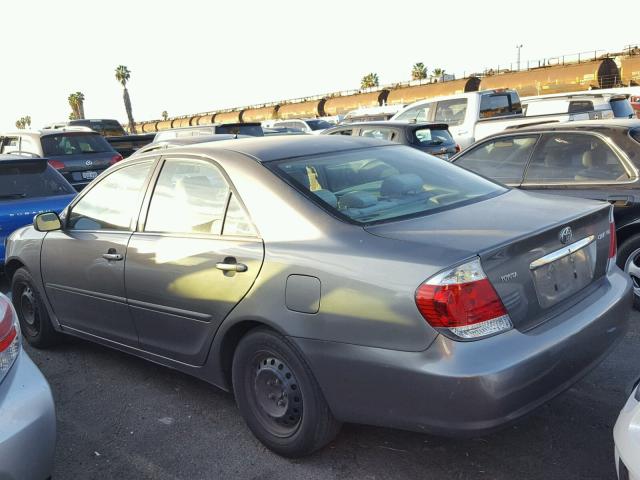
125, 418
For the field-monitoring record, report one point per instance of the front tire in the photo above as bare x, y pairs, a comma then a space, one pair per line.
279, 397
628, 259
35, 323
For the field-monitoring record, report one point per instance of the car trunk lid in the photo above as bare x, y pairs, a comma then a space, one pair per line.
517, 236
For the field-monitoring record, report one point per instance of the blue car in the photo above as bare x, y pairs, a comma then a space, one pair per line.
28, 186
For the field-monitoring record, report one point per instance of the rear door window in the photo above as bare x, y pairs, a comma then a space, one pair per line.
31, 179
503, 159
451, 112
574, 158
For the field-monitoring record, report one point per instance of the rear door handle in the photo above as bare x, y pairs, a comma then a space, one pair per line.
112, 255
620, 200
231, 267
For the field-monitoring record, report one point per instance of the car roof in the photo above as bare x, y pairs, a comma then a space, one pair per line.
266, 149
395, 124
622, 123
49, 131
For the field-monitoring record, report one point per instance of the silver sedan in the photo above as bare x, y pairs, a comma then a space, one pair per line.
330, 279
27, 416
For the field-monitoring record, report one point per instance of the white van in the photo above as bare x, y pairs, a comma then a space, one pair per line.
470, 116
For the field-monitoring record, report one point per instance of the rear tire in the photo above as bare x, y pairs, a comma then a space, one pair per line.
628, 259
279, 397
35, 323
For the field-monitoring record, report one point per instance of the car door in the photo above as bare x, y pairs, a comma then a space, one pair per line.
83, 264
503, 158
582, 164
196, 255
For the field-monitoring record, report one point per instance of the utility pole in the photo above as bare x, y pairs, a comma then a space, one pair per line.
519, 47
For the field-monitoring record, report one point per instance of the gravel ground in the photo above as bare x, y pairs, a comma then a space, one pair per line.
122, 417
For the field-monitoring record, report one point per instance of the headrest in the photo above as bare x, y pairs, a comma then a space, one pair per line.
594, 158
327, 197
358, 200
401, 184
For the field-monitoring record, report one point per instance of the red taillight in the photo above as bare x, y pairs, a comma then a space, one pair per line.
463, 301
57, 164
612, 235
8, 330
458, 148
115, 159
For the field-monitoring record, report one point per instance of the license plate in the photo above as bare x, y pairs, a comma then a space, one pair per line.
561, 278
89, 175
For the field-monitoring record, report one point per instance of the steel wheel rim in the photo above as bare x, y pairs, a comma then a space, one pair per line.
632, 268
276, 396
28, 311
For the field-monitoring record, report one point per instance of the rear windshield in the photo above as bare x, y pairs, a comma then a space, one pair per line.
318, 124
30, 180
622, 108
429, 136
383, 183
251, 130
74, 144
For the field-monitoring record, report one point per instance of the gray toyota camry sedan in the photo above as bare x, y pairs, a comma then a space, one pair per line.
330, 279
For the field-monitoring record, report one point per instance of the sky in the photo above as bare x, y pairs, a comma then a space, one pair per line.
195, 56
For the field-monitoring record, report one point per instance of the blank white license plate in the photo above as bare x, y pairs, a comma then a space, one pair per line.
89, 175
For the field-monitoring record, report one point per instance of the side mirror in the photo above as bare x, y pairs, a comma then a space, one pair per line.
47, 222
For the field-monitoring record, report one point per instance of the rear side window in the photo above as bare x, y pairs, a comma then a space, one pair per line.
436, 136
31, 180
503, 159
371, 185
574, 158
622, 108
74, 144
451, 112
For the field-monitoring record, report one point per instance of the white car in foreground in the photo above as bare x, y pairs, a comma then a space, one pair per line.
626, 435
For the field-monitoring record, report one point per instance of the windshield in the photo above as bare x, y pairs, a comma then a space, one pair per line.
383, 183
318, 124
433, 136
30, 180
74, 144
622, 108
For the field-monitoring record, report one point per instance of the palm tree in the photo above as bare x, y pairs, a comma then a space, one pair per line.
419, 71
438, 73
370, 80
76, 102
23, 122
122, 75
165, 115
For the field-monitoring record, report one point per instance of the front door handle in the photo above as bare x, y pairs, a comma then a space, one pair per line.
112, 255
231, 267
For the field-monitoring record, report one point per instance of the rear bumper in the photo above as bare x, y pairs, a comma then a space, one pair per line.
463, 388
27, 423
626, 435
